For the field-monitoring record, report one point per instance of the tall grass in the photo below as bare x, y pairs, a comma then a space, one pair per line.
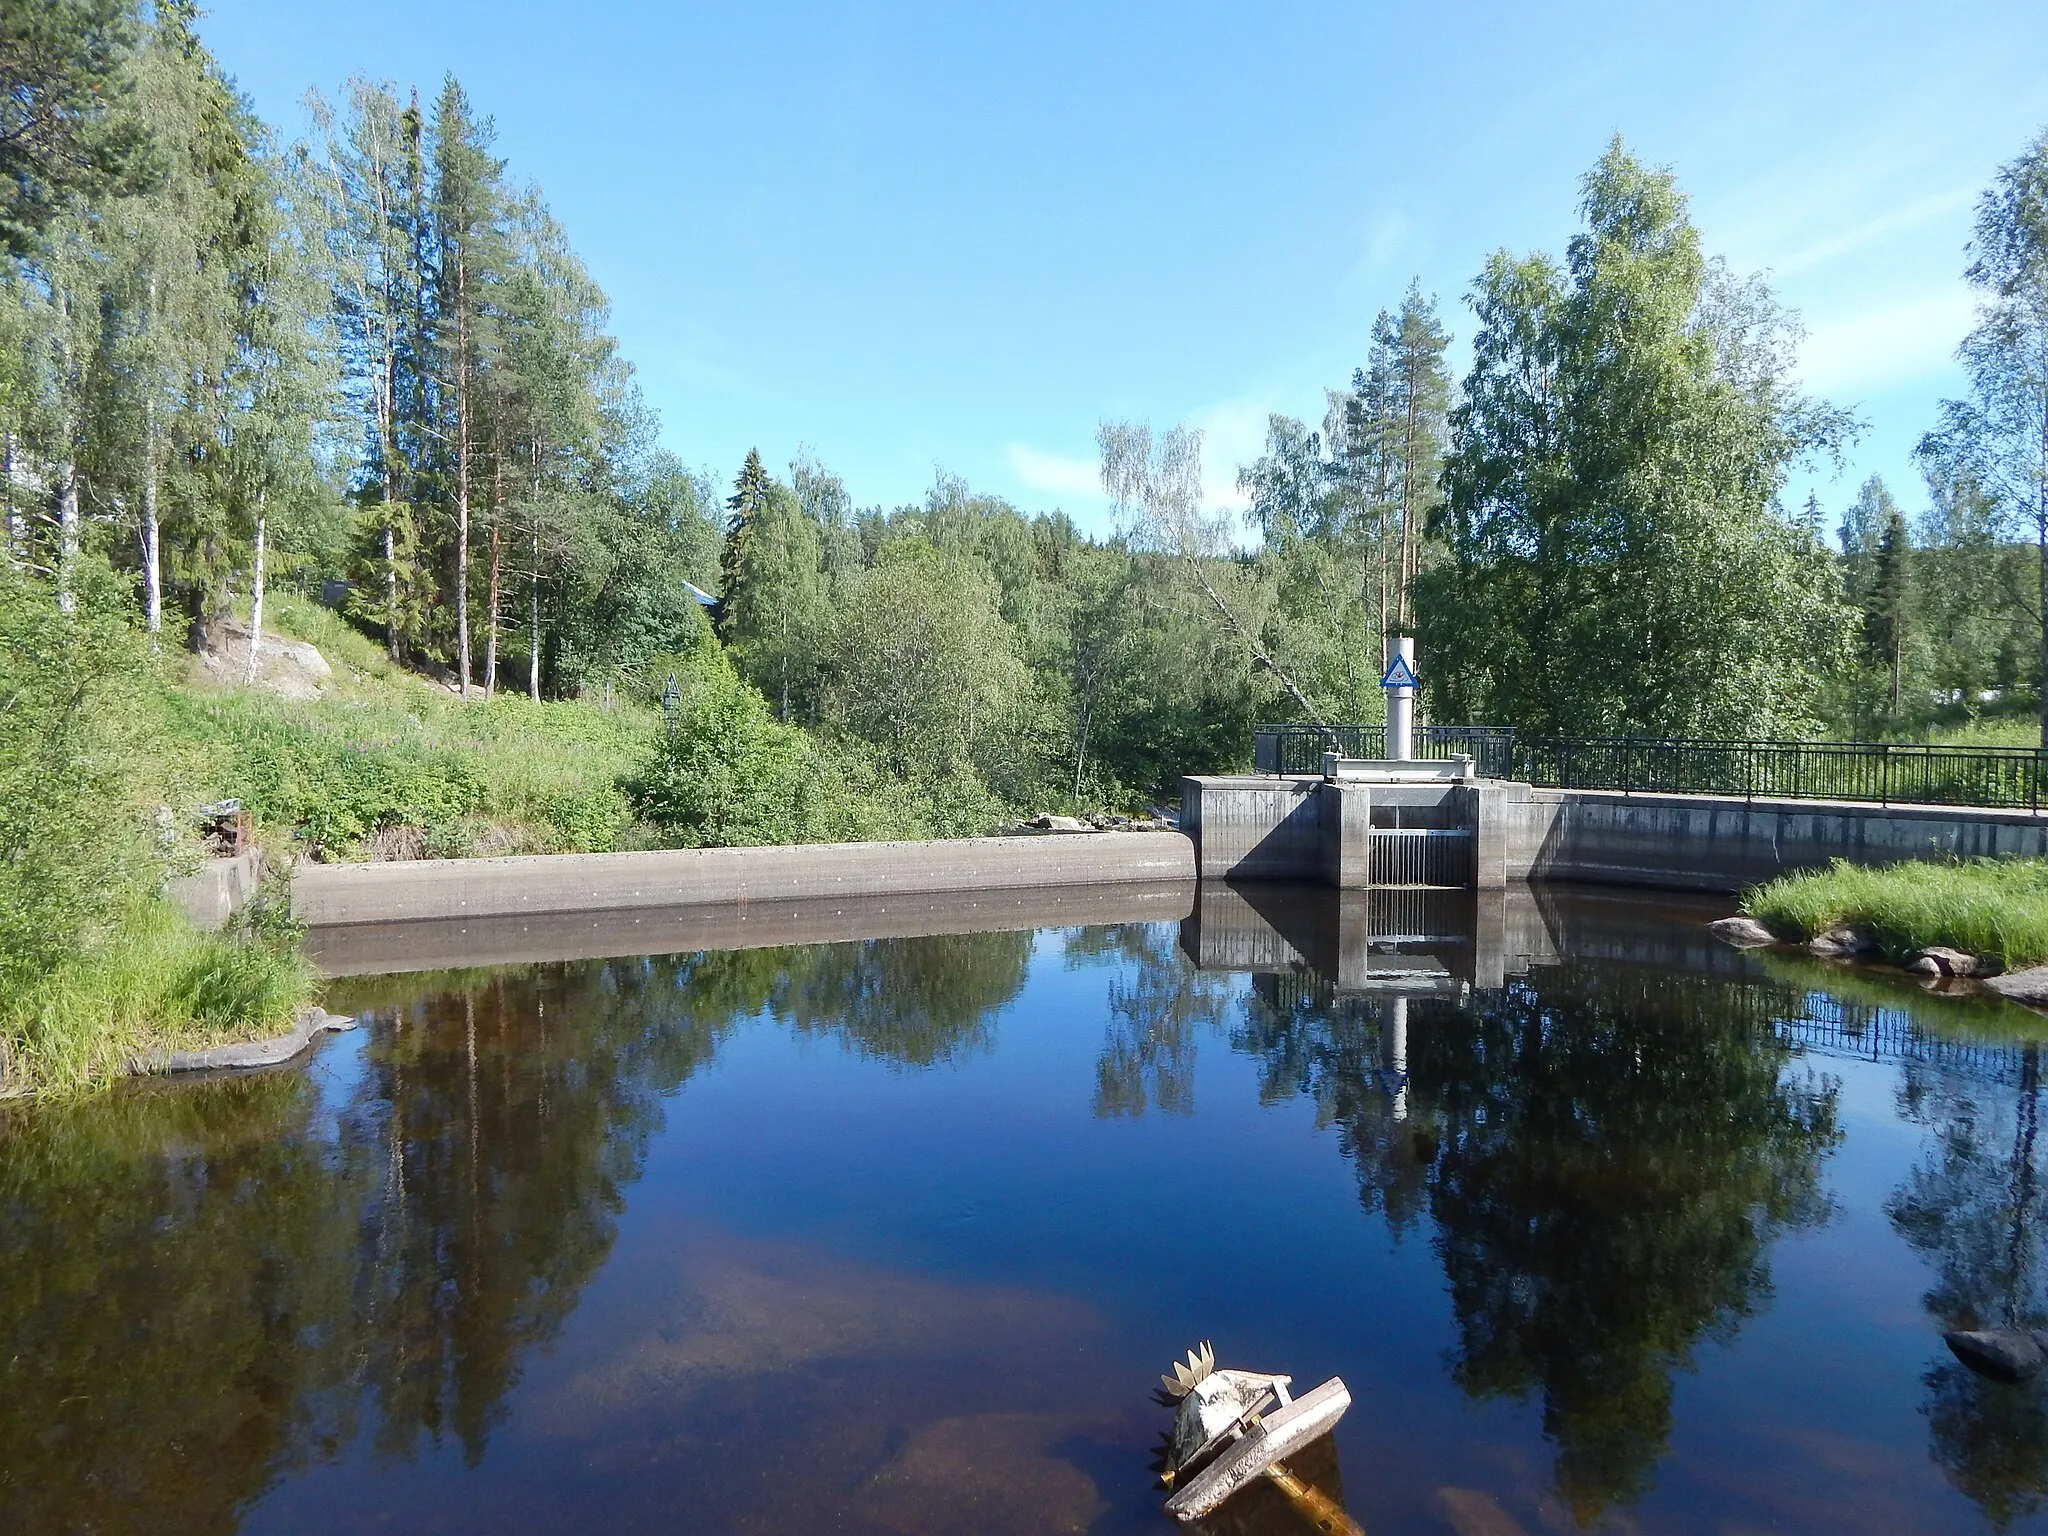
154, 982
385, 749
1997, 908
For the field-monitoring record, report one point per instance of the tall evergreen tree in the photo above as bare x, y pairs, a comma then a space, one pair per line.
363, 159
469, 211
1887, 607
68, 128
749, 495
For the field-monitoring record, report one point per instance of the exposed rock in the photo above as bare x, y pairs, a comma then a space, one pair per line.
1048, 823
1742, 932
2029, 986
288, 667
1925, 965
2006, 1354
1952, 962
1843, 944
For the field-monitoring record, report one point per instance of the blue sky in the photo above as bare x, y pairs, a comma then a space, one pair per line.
906, 236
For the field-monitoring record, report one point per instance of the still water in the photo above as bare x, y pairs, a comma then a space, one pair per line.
1606, 1227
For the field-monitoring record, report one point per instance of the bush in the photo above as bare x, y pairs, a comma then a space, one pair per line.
73, 848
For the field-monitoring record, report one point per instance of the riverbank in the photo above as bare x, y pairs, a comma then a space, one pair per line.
150, 989
1995, 910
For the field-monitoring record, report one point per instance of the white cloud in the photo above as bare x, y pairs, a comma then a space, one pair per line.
1874, 231
1902, 340
1055, 474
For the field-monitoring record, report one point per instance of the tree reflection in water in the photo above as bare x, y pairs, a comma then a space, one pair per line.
1156, 1005
1977, 1208
1605, 1152
207, 1287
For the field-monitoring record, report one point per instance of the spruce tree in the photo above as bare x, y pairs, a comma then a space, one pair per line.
749, 494
1887, 606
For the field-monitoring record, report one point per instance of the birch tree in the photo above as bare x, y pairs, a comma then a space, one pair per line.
1998, 436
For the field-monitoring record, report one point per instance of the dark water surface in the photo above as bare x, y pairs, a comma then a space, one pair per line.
1604, 1225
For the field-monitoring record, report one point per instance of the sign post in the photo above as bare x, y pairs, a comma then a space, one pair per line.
1401, 684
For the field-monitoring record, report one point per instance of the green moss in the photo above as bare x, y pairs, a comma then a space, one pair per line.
1997, 908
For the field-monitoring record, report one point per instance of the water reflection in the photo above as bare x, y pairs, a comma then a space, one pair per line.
206, 1288
1605, 1152
1977, 1207
1584, 1128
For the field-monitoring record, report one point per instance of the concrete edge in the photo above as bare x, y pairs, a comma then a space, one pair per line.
440, 889
245, 1054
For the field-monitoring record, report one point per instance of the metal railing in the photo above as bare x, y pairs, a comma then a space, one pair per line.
1911, 774
1300, 748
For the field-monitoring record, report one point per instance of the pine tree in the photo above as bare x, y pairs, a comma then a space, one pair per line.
468, 213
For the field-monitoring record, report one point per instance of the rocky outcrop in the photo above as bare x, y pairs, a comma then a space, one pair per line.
291, 668
1937, 960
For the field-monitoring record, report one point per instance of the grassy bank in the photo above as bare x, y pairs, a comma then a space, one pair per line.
386, 763
1996, 908
151, 983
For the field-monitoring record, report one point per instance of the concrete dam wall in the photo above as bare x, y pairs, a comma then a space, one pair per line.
328, 895
1311, 829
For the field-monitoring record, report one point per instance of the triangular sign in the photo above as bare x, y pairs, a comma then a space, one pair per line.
1400, 674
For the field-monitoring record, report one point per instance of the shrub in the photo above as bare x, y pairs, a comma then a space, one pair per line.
72, 844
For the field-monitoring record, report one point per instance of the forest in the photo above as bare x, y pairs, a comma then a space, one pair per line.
348, 382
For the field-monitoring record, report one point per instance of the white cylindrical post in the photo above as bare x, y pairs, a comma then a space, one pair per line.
1401, 704
1394, 1040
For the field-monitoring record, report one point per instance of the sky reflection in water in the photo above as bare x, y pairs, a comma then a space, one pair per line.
1604, 1225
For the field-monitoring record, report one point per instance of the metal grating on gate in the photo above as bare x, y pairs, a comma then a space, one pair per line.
1436, 856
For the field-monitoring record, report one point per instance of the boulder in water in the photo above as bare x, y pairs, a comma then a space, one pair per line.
2005, 1354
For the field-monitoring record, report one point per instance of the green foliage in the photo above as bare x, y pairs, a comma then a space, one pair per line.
71, 849
508, 776
774, 612
1992, 907
725, 773
1995, 442
924, 671
66, 131
1616, 564
149, 982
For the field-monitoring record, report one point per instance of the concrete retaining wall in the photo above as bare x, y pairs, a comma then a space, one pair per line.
215, 892
1688, 842
463, 889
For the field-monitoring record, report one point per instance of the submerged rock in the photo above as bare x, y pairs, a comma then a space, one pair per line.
2007, 1354
1742, 932
2029, 986
1843, 944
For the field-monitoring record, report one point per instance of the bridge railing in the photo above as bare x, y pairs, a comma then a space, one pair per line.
1911, 774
